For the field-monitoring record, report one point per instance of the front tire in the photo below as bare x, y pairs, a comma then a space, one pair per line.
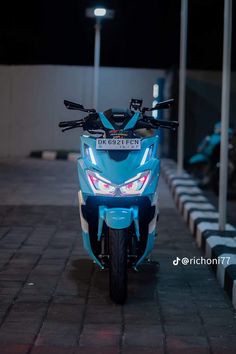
118, 265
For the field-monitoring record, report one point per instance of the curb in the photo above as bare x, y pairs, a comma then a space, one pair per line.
202, 219
55, 155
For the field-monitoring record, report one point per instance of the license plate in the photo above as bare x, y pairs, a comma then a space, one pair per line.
118, 144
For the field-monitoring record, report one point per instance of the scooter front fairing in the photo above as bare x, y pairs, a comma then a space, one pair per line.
112, 194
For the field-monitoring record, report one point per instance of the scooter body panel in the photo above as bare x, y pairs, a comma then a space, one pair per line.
119, 211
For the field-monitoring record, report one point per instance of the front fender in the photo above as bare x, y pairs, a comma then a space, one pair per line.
118, 218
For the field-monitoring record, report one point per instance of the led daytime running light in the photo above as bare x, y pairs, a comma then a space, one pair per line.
89, 154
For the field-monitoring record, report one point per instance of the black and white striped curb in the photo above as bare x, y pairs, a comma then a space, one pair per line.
55, 155
202, 219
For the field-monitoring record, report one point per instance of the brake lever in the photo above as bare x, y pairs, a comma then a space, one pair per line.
169, 128
171, 125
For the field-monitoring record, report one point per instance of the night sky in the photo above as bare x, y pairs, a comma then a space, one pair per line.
143, 33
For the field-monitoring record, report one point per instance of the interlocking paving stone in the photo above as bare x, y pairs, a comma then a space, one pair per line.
145, 350
102, 335
63, 335
14, 349
51, 350
93, 350
103, 314
178, 329
191, 344
54, 300
223, 344
20, 337
140, 336
149, 314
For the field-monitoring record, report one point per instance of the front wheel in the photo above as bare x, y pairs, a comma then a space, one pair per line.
118, 265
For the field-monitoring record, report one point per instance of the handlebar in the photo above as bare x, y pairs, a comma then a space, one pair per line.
92, 122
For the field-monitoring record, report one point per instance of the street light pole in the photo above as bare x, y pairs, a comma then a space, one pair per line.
182, 84
98, 13
225, 109
96, 62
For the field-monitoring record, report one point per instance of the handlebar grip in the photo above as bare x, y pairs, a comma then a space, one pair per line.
68, 123
63, 124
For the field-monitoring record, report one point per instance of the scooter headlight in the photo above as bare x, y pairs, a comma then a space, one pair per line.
135, 185
99, 184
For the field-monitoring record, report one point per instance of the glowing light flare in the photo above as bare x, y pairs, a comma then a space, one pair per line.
155, 90
100, 12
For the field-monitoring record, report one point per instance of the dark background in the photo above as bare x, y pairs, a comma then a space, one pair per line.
142, 34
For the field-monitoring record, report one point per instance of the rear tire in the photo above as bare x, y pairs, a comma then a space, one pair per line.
118, 265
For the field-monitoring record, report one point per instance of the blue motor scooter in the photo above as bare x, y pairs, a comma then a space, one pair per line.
118, 173
202, 164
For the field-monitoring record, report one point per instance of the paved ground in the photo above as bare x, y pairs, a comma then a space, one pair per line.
53, 300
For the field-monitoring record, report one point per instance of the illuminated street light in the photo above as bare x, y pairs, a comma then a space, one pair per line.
98, 14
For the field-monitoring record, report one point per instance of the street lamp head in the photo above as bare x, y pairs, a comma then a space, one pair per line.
100, 12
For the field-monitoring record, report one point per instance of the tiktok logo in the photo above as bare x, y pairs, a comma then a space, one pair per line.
176, 261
